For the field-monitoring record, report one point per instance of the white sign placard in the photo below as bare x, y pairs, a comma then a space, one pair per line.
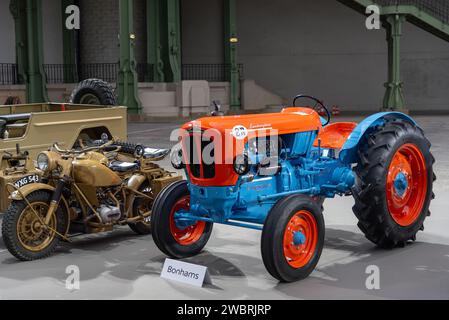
184, 272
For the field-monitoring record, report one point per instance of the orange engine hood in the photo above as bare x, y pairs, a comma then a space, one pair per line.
290, 120
241, 129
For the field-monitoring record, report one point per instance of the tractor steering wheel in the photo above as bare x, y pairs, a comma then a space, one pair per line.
318, 103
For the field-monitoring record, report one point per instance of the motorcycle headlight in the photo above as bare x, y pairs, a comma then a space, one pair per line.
176, 158
242, 165
43, 161
47, 161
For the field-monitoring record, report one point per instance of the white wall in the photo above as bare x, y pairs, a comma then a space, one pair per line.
202, 31
51, 26
322, 48
52, 31
7, 34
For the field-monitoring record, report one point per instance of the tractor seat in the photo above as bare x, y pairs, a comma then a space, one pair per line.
335, 135
119, 166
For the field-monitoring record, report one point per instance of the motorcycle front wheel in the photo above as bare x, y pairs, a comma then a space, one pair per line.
23, 231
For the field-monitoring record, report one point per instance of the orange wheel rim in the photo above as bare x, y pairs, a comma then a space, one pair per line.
189, 235
300, 239
406, 185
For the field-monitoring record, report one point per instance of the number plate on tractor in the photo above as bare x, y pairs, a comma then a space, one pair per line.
27, 180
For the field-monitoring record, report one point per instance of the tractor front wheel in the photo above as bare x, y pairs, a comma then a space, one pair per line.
394, 183
293, 238
170, 237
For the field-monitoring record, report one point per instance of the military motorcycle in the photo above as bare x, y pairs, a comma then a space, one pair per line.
87, 190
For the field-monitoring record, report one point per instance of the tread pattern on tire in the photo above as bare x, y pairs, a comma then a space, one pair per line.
369, 190
175, 251
9, 226
102, 90
272, 228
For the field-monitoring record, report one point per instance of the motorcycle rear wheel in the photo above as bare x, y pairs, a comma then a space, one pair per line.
140, 206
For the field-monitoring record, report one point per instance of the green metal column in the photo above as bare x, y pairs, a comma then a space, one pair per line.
154, 45
164, 40
127, 82
30, 52
230, 45
18, 11
174, 40
394, 97
69, 45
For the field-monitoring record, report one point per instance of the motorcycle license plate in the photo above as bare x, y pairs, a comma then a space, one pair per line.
27, 180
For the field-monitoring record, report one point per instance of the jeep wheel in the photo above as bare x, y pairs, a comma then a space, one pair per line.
394, 183
23, 233
94, 92
174, 240
293, 238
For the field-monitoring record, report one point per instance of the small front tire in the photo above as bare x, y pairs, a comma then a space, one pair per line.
174, 241
293, 238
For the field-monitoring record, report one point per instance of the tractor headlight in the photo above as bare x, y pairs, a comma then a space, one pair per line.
176, 158
43, 161
242, 165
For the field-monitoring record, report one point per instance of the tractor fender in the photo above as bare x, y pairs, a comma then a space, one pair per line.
348, 153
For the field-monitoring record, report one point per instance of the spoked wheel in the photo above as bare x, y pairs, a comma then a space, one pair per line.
177, 239
24, 232
394, 183
293, 238
31, 233
141, 206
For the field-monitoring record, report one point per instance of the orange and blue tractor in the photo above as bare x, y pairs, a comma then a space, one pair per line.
273, 172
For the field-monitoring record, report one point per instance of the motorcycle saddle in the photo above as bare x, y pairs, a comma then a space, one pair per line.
120, 166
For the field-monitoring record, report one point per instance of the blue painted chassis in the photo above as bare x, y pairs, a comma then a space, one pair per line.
308, 170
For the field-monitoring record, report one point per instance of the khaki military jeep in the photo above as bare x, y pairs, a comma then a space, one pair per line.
36, 127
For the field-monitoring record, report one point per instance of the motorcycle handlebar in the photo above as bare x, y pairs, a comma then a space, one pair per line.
84, 150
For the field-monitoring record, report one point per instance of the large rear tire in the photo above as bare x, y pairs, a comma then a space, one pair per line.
394, 185
172, 240
293, 238
94, 92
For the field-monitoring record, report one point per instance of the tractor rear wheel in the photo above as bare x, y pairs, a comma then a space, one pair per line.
172, 239
293, 238
394, 183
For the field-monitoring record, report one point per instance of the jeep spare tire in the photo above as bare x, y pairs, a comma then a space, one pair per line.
94, 91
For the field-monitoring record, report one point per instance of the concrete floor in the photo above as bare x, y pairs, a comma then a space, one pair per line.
121, 265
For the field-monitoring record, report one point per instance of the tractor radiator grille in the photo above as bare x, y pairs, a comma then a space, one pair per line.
195, 147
